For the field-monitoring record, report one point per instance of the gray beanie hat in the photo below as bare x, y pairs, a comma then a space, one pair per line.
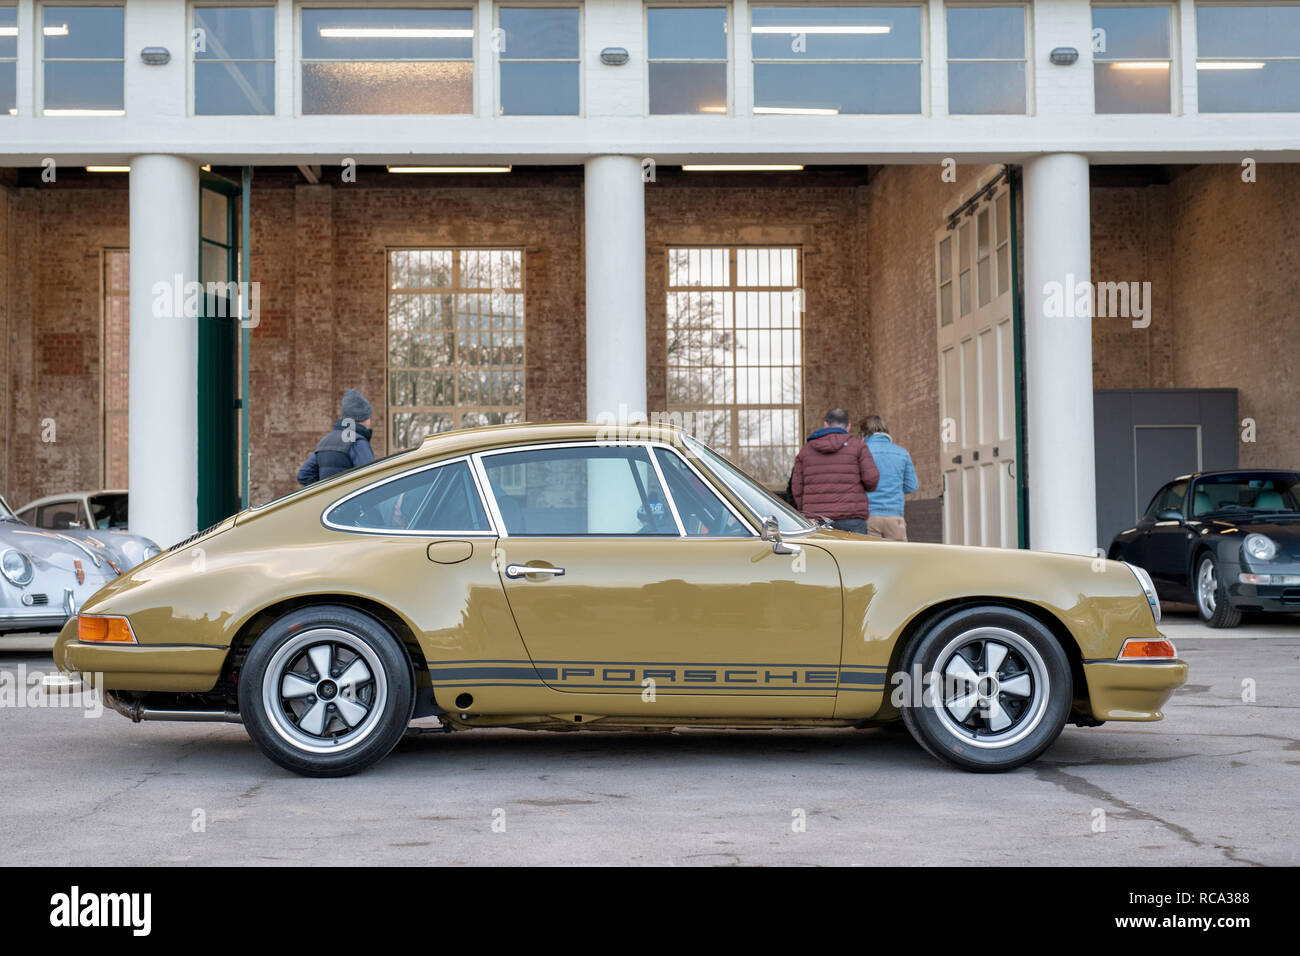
355, 406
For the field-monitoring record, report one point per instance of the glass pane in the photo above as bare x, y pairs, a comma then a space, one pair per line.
984, 33
387, 88
8, 32
1132, 32
440, 500
687, 34
9, 87
703, 514
839, 87
1134, 87
1004, 268
1238, 31
836, 33
539, 89
234, 89
945, 260
83, 86
1004, 217
234, 33
986, 87
372, 34
214, 225
945, 304
83, 32
215, 260
1273, 87
688, 88
540, 34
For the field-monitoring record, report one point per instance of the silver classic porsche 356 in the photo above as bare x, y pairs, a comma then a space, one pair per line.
46, 575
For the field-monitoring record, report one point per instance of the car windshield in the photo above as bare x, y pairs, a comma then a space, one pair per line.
755, 496
1246, 494
108, 511
7, 513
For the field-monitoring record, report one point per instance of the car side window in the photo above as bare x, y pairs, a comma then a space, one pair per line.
579, 491
441, 500
59, 516
702, 512
1173, 497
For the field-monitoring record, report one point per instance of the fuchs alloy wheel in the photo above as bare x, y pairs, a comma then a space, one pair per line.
1212, 597
326, 691
1000, 692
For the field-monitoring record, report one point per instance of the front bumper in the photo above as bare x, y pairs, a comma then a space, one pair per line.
1132, 690
1252, 596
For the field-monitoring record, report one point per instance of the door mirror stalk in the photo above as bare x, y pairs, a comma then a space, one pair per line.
1169, 514
771, 531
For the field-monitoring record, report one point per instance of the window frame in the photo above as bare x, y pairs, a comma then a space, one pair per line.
1197, 59
1174, 61
923, 60
578, 5
1027, 55
192, 74
728, 64
300, 5
38, 73
414, 533
6, 61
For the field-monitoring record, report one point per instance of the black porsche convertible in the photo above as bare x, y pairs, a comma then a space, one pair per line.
1228, 541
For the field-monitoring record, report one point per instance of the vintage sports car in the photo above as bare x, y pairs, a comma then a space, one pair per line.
553, 577
1227, 540
101, 515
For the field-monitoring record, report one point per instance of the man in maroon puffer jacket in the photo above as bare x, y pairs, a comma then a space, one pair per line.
833, 473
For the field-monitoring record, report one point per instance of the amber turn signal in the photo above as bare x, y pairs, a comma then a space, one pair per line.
104, 630
1137, 649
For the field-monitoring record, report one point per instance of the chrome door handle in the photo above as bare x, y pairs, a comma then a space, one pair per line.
519, 570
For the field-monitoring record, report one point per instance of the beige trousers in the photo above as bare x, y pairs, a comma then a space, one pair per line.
892, 527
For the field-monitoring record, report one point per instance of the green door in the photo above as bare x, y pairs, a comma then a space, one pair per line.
218, 373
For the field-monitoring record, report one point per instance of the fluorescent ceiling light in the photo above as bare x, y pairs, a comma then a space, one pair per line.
8, 31
396, 33
833, 30
449, 169
108, 169
1229, 65
713, 109
798, 110
59, 31
84, 112
742, 167
1139, 66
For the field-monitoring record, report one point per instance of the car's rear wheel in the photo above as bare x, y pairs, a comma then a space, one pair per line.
1212, 595
1000, 688
326, 691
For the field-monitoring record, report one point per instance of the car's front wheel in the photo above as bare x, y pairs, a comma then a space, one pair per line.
1212, 595
999, 688
326, 691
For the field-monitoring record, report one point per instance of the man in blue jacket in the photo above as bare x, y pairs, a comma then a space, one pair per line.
897, 478
347, 445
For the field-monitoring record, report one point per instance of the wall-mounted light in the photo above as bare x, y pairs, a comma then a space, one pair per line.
1064, 55
613, 56
108, 169
156, 55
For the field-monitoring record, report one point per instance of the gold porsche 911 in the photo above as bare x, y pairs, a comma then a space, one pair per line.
547, 577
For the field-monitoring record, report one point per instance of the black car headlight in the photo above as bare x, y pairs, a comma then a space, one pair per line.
16, 567
1148, 588
1259, 547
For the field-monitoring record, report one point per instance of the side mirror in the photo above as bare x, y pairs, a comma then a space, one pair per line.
1169, 514
771, 531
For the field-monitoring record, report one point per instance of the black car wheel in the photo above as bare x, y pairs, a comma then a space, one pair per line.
1212, 595
326, 691
1000, 688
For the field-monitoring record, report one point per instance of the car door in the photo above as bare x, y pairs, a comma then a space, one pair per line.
1165, 544
617, 588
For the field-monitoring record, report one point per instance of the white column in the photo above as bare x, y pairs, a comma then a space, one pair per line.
163, 408
615, 261
1058, 369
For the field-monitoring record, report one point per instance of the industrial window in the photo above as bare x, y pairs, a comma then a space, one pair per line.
687, 59
986, 59
539, 60
9, 60
1131, 60
1248, 58
115, 376
824, 60
385, 61
735, 353
82, 51
234, 61
455, 341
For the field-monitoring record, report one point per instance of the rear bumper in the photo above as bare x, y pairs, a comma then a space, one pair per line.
160, 667
1132, 690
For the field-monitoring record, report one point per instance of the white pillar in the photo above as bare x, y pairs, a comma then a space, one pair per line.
615, 260
1058, 369
163, 409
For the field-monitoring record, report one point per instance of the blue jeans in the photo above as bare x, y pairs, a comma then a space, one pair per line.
856, 525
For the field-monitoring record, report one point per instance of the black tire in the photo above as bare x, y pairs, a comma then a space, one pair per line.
1031, 689
334, 724
1212, 602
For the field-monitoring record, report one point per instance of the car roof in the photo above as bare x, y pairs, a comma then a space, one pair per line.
466, 440
36, 502
1238, 471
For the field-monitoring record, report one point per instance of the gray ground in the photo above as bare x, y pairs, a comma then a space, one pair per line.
1214, 783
